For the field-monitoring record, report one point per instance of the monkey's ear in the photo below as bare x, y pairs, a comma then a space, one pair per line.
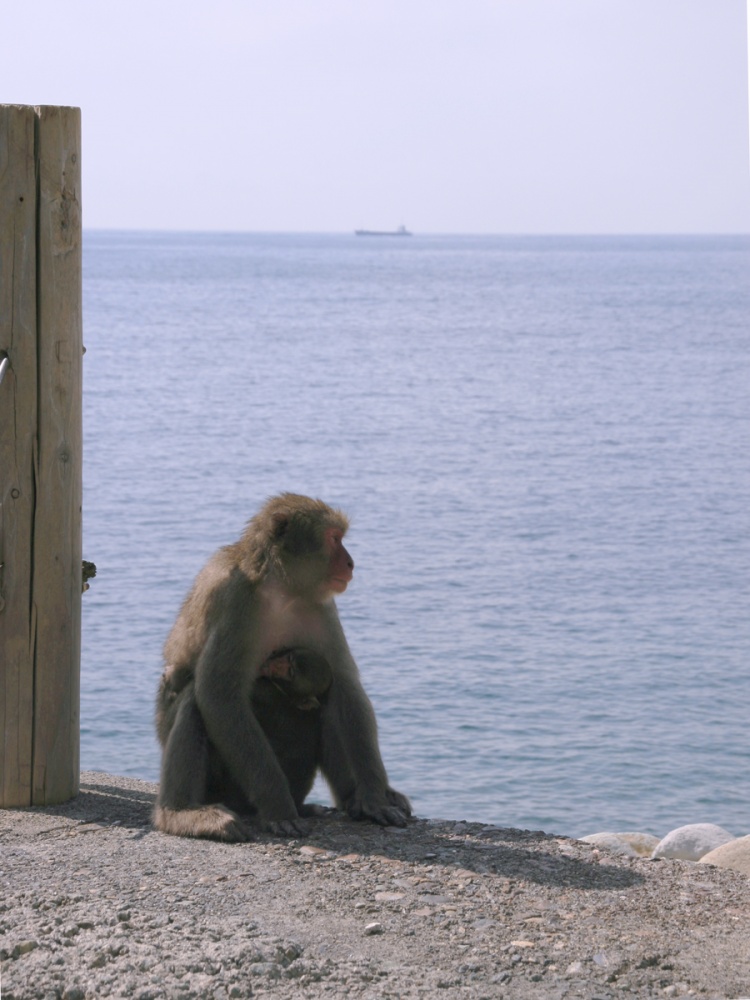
280, 524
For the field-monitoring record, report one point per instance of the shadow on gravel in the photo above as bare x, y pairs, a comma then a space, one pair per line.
505, 853
102, 802
549, 868
511, 854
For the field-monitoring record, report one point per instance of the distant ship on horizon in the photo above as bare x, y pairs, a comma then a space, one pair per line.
401, 231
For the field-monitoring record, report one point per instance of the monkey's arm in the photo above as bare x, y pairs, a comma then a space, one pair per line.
350, 755
223, 685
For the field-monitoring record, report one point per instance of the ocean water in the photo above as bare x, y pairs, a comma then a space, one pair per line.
544, 448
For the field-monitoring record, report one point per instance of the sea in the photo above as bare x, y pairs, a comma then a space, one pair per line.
543, 444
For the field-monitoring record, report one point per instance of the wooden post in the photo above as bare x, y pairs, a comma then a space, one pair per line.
40, 453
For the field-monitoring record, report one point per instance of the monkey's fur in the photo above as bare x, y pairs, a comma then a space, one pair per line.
272, 590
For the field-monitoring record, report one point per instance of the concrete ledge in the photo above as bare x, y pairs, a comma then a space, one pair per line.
97, 904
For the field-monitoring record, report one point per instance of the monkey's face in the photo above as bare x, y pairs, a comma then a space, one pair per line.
340, 563
310, 551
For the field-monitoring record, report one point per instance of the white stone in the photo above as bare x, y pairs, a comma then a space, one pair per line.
642, 843
629, 843
691, 842
611, 842
735, 854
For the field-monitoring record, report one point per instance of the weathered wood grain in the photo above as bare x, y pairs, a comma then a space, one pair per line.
40, 452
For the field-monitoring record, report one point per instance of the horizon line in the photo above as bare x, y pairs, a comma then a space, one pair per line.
412, 232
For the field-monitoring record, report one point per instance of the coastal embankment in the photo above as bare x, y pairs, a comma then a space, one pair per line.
97, 904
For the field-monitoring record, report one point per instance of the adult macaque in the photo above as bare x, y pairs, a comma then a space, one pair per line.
272, 590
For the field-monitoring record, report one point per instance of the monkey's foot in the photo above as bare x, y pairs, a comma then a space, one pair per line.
212, 822
287, 827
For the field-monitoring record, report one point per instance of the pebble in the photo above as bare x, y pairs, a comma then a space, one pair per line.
269, 969
24, 948
374, 928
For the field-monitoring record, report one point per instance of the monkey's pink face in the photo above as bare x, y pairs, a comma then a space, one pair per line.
340, 565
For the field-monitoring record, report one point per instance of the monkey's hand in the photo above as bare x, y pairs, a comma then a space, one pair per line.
397, 799
390, 810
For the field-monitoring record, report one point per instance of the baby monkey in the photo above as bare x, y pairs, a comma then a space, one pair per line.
300, 675
288, 699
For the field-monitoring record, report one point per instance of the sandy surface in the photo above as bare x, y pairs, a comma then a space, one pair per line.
96, 904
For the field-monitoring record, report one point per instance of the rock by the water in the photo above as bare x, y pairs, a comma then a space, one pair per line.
610, 842
642, 843
692, 842
629, 844
735, 855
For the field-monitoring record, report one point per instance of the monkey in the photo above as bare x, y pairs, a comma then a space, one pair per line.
300, 675
287, 700
271, 590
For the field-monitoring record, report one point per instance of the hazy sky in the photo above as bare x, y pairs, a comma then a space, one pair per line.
449, 115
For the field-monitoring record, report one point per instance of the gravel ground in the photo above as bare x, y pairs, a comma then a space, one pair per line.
96, 904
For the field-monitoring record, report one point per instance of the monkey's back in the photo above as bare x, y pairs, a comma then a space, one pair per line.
220, 592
